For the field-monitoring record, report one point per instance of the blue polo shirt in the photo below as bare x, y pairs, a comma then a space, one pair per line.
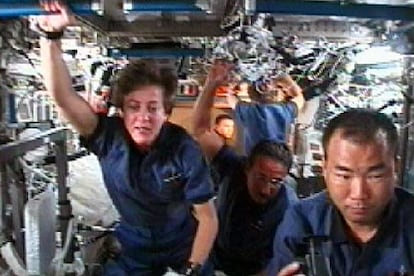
153, 191
264, 121
391, 250
246, 229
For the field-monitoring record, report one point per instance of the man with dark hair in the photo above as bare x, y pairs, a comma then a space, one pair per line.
364, 220
252, 195
224, 126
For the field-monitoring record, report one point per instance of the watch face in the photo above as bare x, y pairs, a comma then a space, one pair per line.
192, 269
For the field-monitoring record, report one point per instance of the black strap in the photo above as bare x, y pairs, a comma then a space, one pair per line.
191, 269
56, 35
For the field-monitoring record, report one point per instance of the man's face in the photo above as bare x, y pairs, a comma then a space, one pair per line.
360, 179
264, 179
144, 115
225, 128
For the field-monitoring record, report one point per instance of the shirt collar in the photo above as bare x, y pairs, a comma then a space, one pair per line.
385, 233
337, 229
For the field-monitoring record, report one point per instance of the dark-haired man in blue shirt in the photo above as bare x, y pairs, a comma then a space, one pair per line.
252, 196
366, 220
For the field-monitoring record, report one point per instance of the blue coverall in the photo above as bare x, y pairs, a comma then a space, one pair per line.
153, 192
391, 250
246, 229
264, 121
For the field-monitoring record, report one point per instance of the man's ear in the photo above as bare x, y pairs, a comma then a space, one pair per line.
324, 166
121, 113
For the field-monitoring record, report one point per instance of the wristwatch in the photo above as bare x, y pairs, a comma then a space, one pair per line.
55, 35
192, 269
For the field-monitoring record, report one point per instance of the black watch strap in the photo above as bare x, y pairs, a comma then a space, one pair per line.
48, 35
53, 35
192, 269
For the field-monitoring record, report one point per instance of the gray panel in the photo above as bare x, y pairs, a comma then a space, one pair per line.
40, 227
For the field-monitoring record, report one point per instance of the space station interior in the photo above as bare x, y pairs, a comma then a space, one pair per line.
345, 53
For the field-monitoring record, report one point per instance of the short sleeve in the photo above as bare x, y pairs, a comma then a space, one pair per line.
103, 136
198, 182
291, 110
226, 162
245, 111
264, 122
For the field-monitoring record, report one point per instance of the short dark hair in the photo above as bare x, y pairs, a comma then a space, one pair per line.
222, 117
361, 125
278, 152
140, 73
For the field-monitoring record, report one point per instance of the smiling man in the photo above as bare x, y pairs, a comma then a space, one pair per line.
366, 220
